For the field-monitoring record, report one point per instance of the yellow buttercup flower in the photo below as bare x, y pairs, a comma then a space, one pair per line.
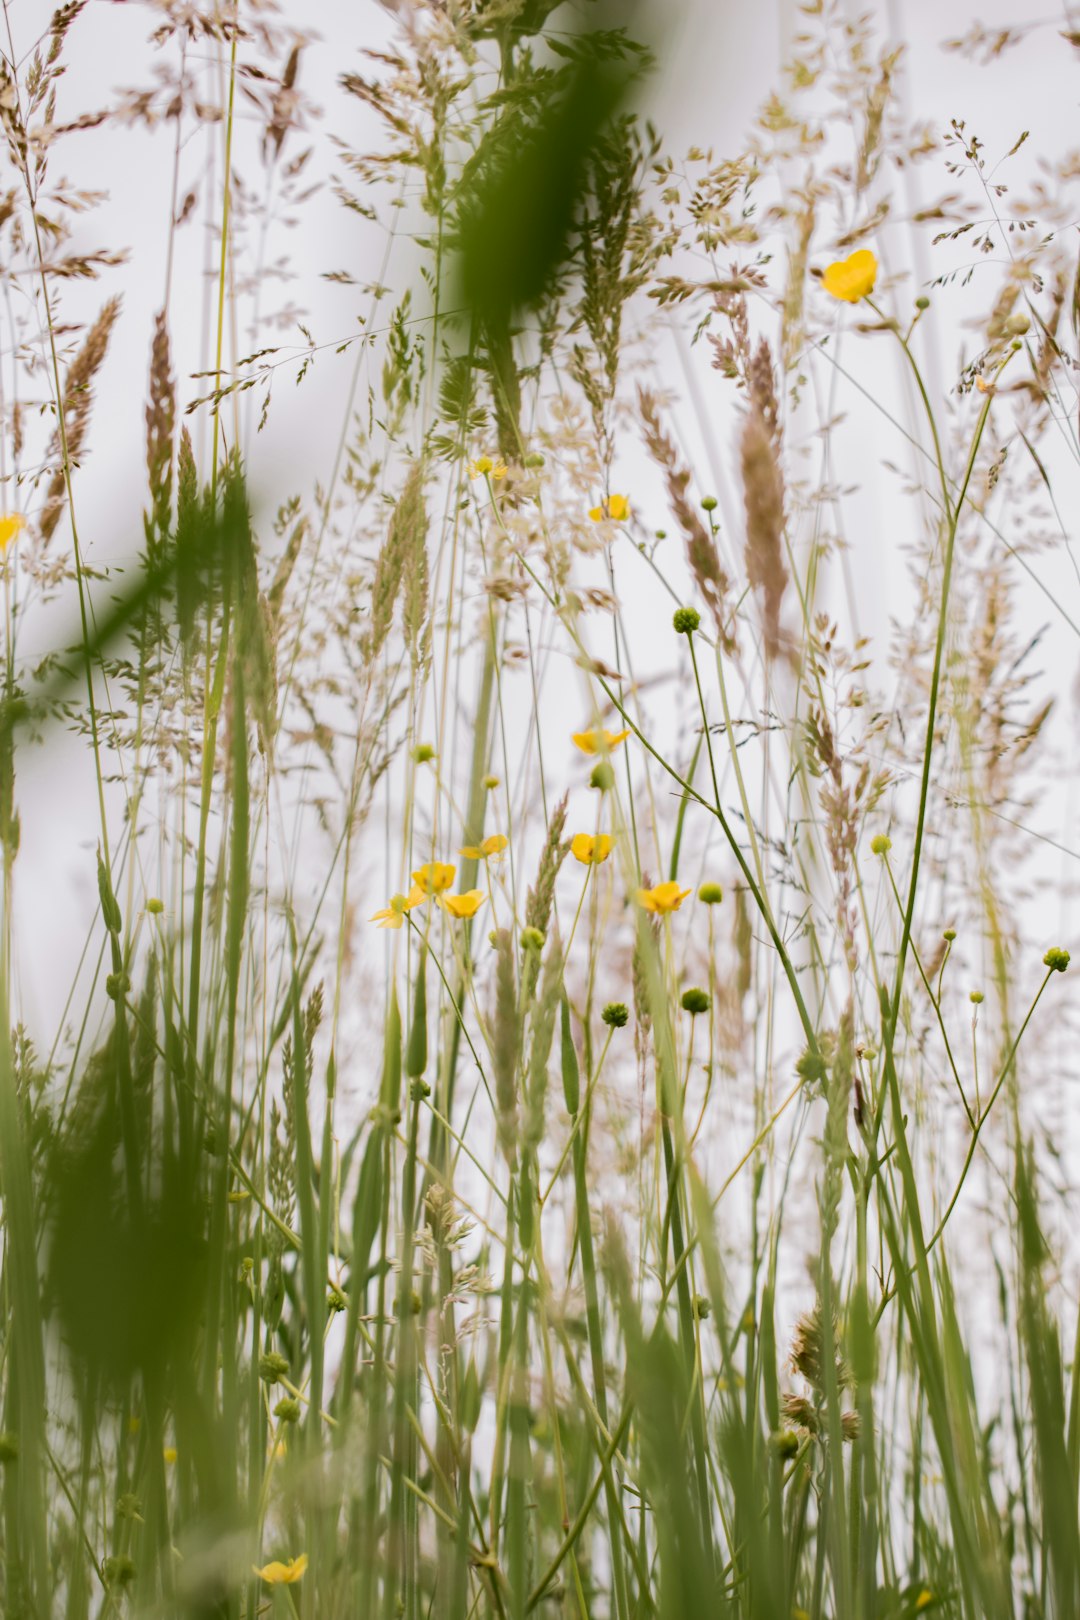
434, 877
852, 278
484, 466
169, 1454
10, 527
924, 1600
463, 905
391, 916
279, 1574
589, 850
598, 742
616, 507
662, 898
488, 850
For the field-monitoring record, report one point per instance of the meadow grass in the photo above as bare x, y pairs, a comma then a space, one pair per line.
653, 1219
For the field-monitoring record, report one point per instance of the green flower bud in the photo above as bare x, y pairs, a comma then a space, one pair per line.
603, 776
686, 620
701, 1308
1018, 324
155, 907
708, 503
977, 998
534, 459
616, 1015
1056, 959
949, 935
785, 1443
710, 894
532, 939
288, 1409
419, 1089
118, 1570
923, 302
272, 1366
422, 753
881, 845
695, 1001
491, 783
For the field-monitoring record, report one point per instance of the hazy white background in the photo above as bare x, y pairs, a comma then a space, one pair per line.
717, 61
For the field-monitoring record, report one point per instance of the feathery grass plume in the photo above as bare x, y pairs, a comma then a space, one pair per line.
540, 896
838, 1097
414, 572
763, 496
76, 408
793, 334
701, 552
543, 1033
872, 147
192, 517
506, 1043
403, 546
275, 596
160, 426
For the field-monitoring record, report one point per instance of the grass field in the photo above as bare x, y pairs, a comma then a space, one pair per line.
564, 1104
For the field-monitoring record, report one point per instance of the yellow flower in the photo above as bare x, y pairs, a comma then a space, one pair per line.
169, 1454
483, 465
434, 877
924, 1599
662, 898
278, 1574
852, 278
10, 527
463, 905
616, 507
487, 850
393, 913
591, 851
598, 742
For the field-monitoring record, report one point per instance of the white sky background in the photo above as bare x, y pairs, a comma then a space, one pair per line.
717, 62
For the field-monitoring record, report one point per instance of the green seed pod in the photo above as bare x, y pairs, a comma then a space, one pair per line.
416, 1055
571, 1077
686, 620
390, 1096
616, 1015
695, 1001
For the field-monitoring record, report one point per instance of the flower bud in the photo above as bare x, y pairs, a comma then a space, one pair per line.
708, 503
1056, 959
695, 1001
272, 1366
288, 1409
616, 1015
532, 939
686, 620
881, 845
710, 894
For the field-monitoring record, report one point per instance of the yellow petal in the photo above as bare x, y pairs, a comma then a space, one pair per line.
616, 508
852, 278
590, 850
471, 852
169, 1454
434, 877
10, 526
463, 905
662, 898
593, 742
495, 844
387, 918
278, 1574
